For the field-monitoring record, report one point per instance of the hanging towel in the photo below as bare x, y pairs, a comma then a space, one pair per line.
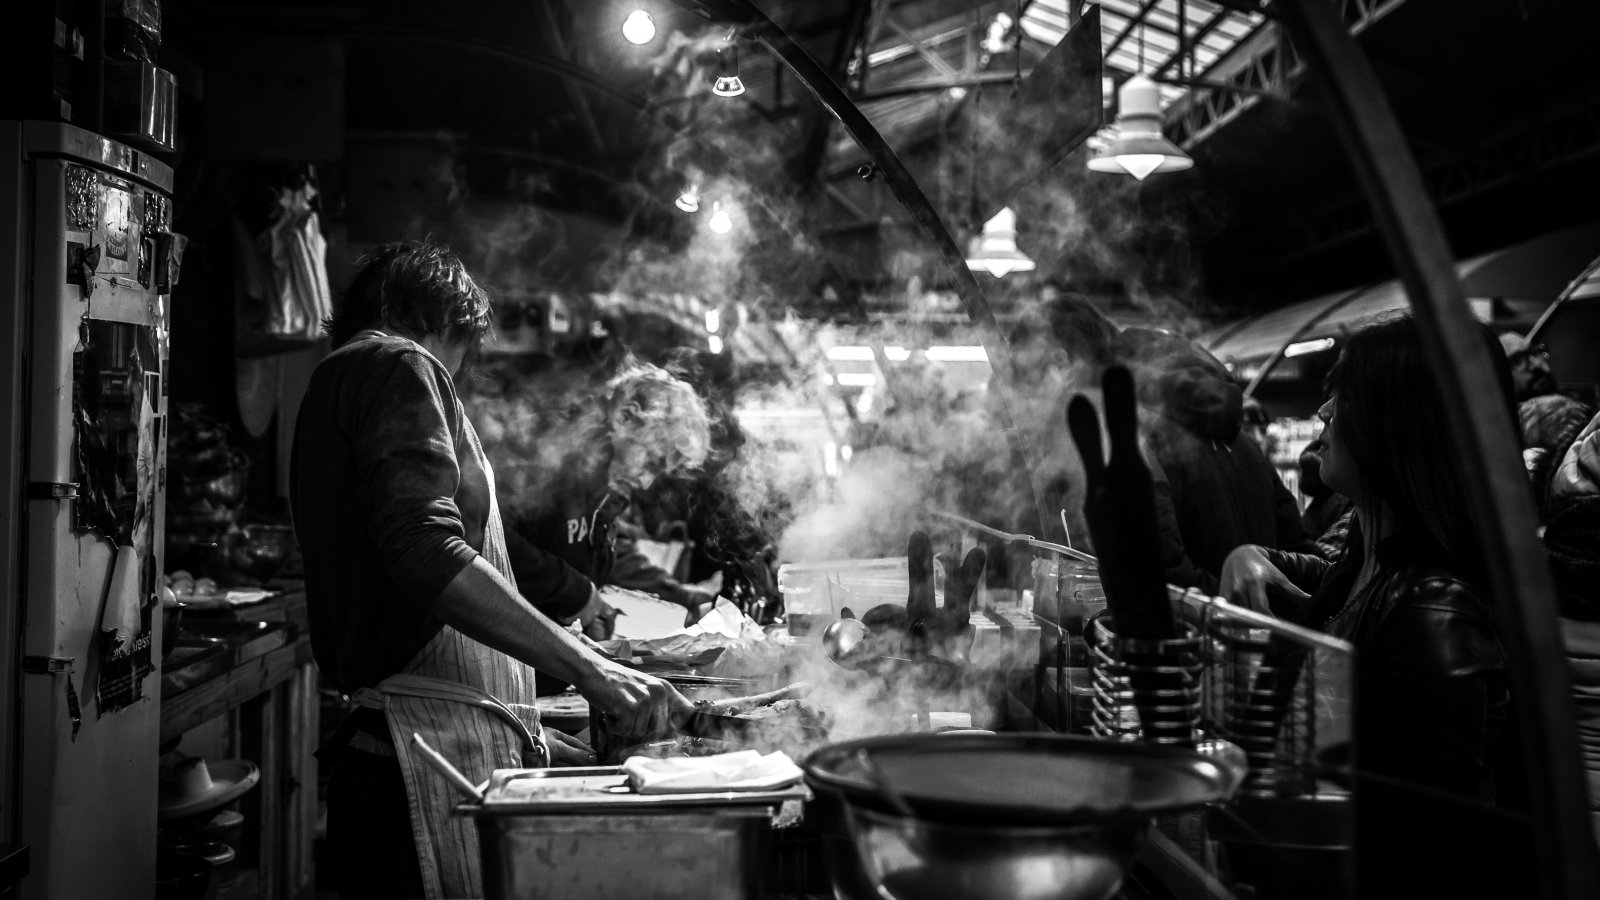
301, 298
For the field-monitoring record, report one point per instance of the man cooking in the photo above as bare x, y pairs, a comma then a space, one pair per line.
413, 612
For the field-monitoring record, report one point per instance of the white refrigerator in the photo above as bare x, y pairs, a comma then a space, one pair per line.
86, 262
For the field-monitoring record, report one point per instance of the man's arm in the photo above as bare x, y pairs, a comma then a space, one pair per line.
482, 605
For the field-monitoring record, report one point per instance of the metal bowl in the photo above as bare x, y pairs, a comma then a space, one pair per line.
931, 816
910, 859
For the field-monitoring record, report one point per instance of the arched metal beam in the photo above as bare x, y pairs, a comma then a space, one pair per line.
1483, 445
755, 25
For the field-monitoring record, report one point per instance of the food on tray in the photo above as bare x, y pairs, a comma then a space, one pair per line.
798, 709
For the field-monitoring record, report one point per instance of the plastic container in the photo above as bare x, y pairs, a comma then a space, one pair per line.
819, 592
1056, 584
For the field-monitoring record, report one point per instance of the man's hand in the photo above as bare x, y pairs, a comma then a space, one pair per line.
566, 750
1248, 579
642, 705
598, 618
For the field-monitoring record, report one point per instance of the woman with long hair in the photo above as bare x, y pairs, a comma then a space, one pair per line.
1432, 693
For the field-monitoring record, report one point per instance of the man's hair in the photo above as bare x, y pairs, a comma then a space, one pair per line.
415, 287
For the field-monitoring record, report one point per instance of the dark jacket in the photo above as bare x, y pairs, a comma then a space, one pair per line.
1572, 539
1432, 690
563, 551
1432, 744
1215, 489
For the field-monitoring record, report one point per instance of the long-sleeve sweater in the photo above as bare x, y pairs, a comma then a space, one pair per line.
390, 496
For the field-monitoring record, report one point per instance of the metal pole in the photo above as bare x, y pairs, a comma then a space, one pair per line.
1486, 451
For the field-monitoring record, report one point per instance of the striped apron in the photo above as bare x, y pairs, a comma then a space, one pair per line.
475, 706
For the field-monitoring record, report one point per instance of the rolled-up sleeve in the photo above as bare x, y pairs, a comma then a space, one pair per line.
406, 440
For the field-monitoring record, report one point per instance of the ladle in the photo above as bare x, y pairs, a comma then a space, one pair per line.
843, 638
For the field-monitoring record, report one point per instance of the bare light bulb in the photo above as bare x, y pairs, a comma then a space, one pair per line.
721, 222
688, 201
639, 28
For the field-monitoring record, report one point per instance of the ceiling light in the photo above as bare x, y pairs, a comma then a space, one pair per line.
1139, 148
856, 379
843, 352
896, 354
689, 200
996, 250
1304, 347
715, 343
727, 83
958, 354
713, 320
639, 28
721, 222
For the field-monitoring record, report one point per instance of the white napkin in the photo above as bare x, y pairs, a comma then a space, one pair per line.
744, 770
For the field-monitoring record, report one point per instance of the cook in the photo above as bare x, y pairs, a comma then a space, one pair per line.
413, 611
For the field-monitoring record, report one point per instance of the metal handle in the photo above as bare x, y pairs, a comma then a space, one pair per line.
443, 767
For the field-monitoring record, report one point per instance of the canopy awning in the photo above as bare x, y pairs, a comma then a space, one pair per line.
1535, 270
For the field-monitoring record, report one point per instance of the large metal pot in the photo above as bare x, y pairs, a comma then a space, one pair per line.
1013, 815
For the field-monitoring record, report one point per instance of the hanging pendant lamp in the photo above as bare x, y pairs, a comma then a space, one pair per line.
995, 251
1139, 148
728, 83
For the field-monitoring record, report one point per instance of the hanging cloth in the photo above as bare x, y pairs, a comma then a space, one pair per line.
301, 298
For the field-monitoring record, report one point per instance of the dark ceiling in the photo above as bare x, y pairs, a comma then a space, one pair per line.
547, 102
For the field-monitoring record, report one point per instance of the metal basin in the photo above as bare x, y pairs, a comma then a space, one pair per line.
908, 859
1025, 816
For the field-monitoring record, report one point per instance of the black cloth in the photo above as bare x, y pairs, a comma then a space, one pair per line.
370, 846
390, 498
1214, 495
1215, 488
561, 552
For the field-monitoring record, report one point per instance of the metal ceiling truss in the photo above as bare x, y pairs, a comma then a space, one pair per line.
1260, 65
1547, 142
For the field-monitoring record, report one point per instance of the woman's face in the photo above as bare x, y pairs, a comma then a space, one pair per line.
636, 462
1338, 469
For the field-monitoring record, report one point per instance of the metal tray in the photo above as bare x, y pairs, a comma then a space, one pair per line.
595, 790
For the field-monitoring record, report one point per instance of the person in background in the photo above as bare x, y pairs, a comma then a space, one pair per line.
1569, 508
1548, 419
1327, 505
414, 612
1215, 489
1530, 366
643, 423
1256, 422
1432, 692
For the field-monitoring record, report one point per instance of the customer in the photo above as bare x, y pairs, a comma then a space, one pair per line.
1432, 692
1215, 489
412, 607
1571, 513
1548, 418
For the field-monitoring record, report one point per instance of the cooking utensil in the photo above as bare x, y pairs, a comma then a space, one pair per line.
841, 638
441, 765
705, 723
1052, 816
